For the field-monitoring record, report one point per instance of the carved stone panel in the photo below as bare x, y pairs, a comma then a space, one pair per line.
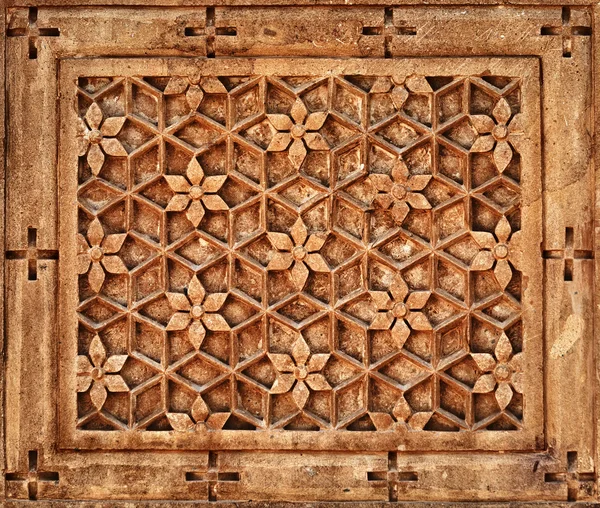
331, 253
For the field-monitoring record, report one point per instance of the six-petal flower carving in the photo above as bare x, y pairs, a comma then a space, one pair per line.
400, 190
195, 193
403, 308
499, 250
299, 370
101, 373
97, 132
194, 88
197, 312
501, 373
299, 249
201, 417
92, 254
299, 129
498, 133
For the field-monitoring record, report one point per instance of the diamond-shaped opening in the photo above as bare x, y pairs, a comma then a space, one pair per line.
217, 345
382, 344
336, 250
401, 248
148, 403
246, 103
452, 279
419, 223
361, 308
420, 344
300, 192
98, 422
418, 107
515, 334
403, 371
464, 249
144, 104
483, 216
114, 171
419, 159
98, 310
176, 108
279, 286
214, 277
214, 159
233, 82
499, 82
348, 101
146, 281
484, 405
279, 218
281, 337
135, 251
214, 106
502, 423
453, 341
453, 399
450, 103
347, 162
462, 133
316, 166
177, 159
250, 400
94, 85
246, 222
483, 168
502, 310
503, 194
279, 100
197, 132
199, 251
482, 101
338, 371
248, 279
351, 400
420, 396
279, 167
451, 219
136, 372
113, 336
381, 107
181, 398
134, 134
199, 372
236, 311
348, 280
317, 218
97, 195
146, 219
178, 345
440, 423
249, 340
362, 424
484, 336
247, 161
380, 160
158, 310
236, 422
157, 191
261, 250
363, 191
317, 334
350, 339
438, 309
452, 163
319, 405
382, 397
317, 98
117, 405
335, 133
318, 285
262, 372
112, 101
148, 340
465, 371
484, 285
218, 398
399, 133
283, 407
235, 192
298, 309
260, 133
178, 276
417, 276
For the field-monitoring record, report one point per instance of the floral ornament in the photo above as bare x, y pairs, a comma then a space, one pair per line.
497, 134
94, 252
399, 191
297, 130
400, 87
399, 311
505, 371
196, 193
300, 249
196, 312
301, 370
101, 373
500, 251
96, 133
201, 418
194, 88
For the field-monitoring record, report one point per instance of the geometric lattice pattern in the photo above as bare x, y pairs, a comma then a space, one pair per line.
300, 253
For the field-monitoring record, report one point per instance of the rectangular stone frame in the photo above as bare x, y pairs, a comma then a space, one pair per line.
561, 467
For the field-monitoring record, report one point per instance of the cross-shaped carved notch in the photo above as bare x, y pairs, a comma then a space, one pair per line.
569, 254
212, 477
389, 29
33, 476
392, 477
210, 31
32, 254
567, 31
577, 483
32, 32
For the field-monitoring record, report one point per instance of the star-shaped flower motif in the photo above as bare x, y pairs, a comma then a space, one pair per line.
400, 190
98, 132
498, 250
301, 250
399, 311
101, 373
194, 88
195, 193
201, 418
504, 372
497, 133
297, 130
299, 370
404, 85
94, 252
196, 312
